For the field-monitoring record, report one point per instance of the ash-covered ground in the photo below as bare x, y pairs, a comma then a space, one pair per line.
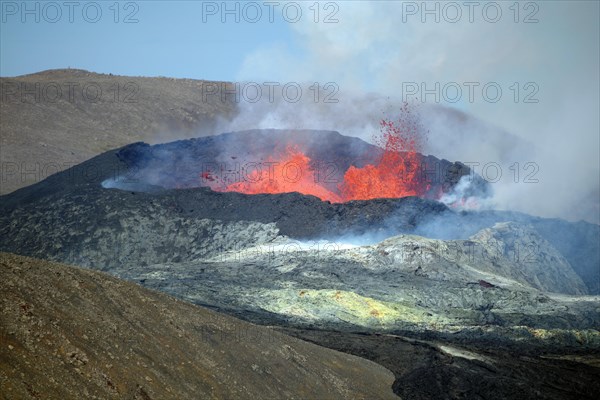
497, 292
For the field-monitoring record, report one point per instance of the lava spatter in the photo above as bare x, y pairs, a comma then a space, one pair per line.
396, 173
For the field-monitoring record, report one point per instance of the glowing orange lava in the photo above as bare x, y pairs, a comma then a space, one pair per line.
291, 172
396, 174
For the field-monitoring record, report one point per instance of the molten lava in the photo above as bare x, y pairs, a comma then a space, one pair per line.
291, 172
396, 174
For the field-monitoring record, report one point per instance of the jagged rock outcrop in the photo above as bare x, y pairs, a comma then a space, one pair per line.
505, 252
522, 254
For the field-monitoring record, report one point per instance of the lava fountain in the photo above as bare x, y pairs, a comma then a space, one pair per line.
395, 174
324, 164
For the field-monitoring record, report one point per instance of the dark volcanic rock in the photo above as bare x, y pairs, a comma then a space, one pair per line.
96, 227
445, 370
71, 217
187, 241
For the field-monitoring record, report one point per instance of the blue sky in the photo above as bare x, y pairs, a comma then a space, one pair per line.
373, 47
169, 39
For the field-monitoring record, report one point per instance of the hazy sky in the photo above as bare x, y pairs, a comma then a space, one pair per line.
150, 38
529, 69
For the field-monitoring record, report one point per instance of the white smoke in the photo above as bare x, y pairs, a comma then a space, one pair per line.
352, 114
547, 151
459, 198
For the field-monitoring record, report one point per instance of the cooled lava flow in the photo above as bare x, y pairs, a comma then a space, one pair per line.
395, 175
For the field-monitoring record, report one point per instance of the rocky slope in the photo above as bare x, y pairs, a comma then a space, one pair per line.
337, 273
451, 319
55, 119
70, 333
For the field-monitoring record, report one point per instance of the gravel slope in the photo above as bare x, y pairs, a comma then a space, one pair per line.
71, 333
49, 123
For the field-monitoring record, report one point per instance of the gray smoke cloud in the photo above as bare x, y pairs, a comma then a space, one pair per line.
538, 144
514, 97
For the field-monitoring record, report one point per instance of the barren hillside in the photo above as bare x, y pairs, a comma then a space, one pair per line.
71, 333
55, 119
